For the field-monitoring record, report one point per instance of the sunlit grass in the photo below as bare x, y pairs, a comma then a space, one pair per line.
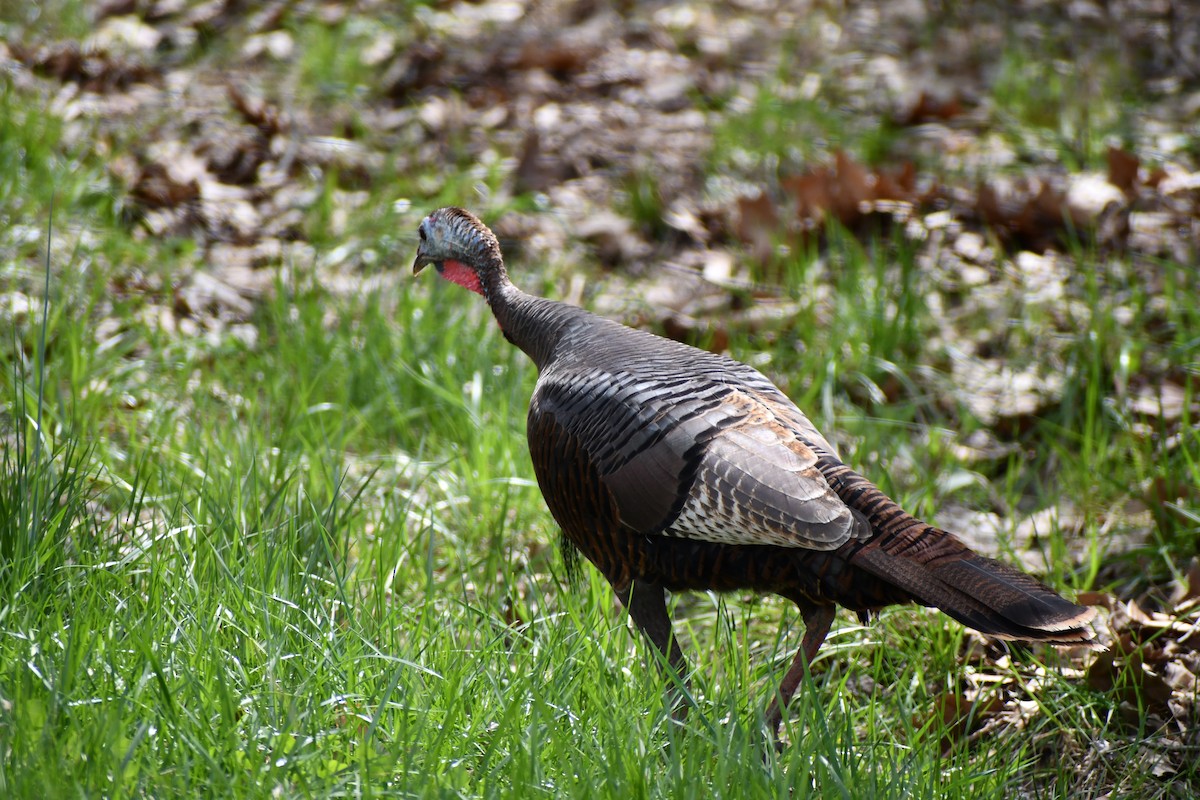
321, 563
1075, 102
316, 563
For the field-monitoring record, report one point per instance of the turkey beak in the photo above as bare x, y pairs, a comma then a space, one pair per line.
421, 262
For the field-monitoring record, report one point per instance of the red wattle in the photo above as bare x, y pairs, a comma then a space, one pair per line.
461, 274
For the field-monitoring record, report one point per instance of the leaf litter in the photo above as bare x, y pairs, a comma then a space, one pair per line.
576, 105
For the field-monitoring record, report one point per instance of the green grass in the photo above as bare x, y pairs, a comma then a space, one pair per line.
780, 131
318, 564
56, 18
1074, 102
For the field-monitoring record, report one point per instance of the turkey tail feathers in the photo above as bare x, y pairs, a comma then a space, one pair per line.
937, 569
986, 595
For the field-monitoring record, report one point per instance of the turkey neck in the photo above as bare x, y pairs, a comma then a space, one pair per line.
534, 324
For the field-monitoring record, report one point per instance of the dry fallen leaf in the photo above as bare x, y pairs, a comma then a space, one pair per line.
95, 70
1123, 170
928, 107
961, 716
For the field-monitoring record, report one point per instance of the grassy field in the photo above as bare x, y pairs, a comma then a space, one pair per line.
300, 552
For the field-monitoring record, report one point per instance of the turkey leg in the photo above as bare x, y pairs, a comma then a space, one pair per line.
647, 607
817, 621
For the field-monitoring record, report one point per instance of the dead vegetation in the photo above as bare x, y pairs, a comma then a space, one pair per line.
595, 124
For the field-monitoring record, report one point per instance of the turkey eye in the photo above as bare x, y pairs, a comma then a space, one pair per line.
421, 231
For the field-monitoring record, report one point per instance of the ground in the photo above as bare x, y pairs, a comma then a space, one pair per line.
269, 521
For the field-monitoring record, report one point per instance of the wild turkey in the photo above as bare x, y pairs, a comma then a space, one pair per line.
671, 468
